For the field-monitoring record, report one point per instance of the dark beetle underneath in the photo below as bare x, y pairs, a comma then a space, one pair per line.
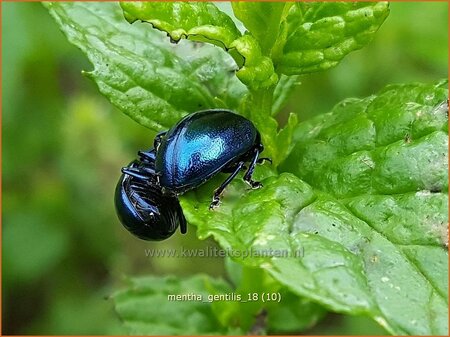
194, 150
141, 206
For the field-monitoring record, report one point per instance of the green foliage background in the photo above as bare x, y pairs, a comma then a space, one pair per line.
64, 252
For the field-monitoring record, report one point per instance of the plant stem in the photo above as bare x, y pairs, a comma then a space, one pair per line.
260, 109
262, 100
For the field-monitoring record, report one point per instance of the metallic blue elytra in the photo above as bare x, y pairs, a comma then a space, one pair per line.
203, 144
142, 208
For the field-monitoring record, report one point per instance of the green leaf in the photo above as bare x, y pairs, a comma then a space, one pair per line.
262, 19
146, 309
285, 87
198, 21
257, 72
346, 325
285, 136
377, 145
244, 313
277, 143
320, 34
142, 74
376, 250
290, 314
204, 22
293, 314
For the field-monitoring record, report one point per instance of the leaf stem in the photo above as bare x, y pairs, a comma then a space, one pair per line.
262, 100
260, 109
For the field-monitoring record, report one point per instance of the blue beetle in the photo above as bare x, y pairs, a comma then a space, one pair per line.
203, 144
199, 146
142, 207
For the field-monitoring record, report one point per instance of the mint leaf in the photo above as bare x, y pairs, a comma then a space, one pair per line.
277, 143
257, 72
293, 314
285, 87
145, 308
320, 34
204, 22
262, 19
245, 313
285, 136
200, 21
377, 251
377, 145
147, 78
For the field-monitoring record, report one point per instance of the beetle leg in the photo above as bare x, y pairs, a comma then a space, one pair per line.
147, 156
157, 140
262, 160
134, 173
141, 174
183, 225
251, 168
219, 190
